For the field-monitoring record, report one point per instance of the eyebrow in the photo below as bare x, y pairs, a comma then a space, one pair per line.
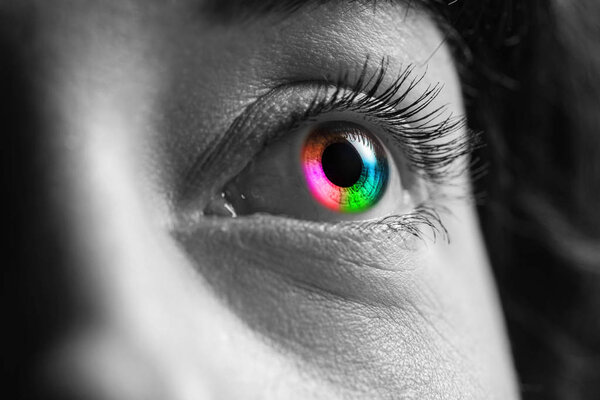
233, 10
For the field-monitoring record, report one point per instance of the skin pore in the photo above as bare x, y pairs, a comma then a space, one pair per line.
272, 304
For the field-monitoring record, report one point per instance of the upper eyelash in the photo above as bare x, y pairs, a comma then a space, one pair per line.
425, 139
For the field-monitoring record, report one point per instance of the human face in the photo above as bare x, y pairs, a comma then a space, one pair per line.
154, 109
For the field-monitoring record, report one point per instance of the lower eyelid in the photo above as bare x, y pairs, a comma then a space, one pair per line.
405, 232
337, 259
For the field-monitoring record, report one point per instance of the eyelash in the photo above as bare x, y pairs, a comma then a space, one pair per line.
425, 139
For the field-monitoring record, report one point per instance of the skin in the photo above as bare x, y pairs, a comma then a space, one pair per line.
185, 306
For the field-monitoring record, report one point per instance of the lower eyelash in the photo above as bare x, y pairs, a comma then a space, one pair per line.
424, 218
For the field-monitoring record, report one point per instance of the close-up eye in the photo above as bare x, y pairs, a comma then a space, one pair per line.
332, 170
354, 151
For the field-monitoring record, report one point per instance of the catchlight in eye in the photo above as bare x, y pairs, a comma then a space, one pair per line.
345, 166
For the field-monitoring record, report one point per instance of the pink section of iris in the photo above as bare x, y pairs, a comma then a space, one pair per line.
326, 192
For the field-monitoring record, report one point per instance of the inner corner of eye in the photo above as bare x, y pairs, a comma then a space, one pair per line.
345, 166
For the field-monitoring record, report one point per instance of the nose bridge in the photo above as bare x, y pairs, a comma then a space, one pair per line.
109, 300
91, 100
83, 137
82, 228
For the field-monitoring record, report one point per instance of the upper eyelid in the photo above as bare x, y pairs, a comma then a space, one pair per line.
434, 135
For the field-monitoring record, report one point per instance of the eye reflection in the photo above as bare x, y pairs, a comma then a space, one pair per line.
345, 167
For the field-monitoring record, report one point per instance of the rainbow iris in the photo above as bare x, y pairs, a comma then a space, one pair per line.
345, 167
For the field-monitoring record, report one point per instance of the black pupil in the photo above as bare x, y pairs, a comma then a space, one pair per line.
342, 164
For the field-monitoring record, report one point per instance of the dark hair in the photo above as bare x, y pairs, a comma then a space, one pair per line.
531, 73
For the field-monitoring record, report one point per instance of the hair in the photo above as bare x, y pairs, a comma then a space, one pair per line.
531, 80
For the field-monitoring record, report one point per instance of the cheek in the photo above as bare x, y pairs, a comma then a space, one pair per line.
363, 312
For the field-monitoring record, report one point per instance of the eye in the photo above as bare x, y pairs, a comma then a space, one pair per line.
345, 166
350, 151
329, 170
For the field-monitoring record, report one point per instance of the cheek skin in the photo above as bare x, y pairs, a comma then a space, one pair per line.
364, 311
236, 310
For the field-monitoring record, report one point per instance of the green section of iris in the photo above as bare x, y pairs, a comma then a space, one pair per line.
369, 188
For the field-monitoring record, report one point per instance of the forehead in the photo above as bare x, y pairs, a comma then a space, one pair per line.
217, 10
377, 29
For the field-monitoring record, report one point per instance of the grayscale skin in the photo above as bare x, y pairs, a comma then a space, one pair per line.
186, 305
